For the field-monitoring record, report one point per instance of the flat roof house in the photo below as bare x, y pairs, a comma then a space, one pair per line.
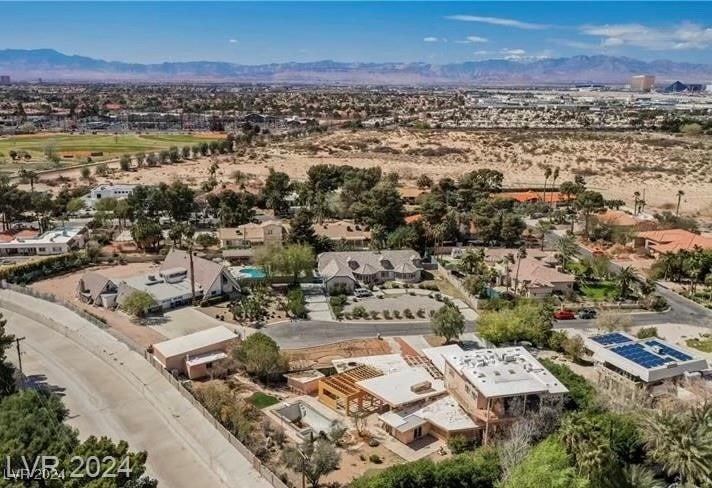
624, 362
109, 190
195, 354
56, 241
497, 386
349, 268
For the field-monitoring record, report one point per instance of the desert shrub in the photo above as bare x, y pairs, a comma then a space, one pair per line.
647, 332
375, 459
359, 311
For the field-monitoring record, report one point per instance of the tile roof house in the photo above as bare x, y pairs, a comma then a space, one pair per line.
344, 231
671, 240
533, 196
538, 276
624, 220
351, 267
269, 232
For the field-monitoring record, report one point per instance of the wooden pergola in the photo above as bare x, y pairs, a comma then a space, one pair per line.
341, 393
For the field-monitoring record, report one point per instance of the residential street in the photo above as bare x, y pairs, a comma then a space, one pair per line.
110, 390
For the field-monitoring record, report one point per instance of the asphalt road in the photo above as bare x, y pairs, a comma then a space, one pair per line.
111, 391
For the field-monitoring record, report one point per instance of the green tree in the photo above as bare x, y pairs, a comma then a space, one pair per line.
589, 202
567, 248
294, 260
448, 322
424, 181
527, 321
29, 176
259, 355
7, 371
146, 234
206, 240
125, 162
277, 186
582, 394
548, 465
681, 442
313, 459
624, 281
138, 303
173, 154
403, 237
75, 205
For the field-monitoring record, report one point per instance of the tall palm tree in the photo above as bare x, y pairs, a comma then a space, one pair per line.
681, 442
636, 198
637, 476
521, 254
625, 279
680, 194
547, 174
542, 227
554, 177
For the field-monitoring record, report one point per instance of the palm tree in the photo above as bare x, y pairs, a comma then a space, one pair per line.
680, 443
638, 476
567, 248
542, 227
554, 177
636, 198
521, 254
680, 194
547, 174
31, 177
624, 279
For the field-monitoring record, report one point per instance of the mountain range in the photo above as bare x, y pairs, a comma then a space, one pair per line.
51, 65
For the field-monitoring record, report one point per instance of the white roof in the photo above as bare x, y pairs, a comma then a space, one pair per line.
208, 357
192, 342
51, 237
444, 413
400, 388
649, 359
437, 354
385, 363
505, 371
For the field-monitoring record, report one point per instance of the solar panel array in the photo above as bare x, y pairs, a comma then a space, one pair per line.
669, 351
639, 355
612, 338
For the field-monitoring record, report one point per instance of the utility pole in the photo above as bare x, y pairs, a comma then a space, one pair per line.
19, 360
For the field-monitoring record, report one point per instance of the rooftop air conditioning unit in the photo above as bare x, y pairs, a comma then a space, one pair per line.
421, 387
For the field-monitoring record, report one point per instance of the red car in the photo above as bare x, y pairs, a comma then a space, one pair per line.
564, 315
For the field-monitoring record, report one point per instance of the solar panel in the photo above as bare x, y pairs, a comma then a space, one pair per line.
669, 351
638, 354
612, 338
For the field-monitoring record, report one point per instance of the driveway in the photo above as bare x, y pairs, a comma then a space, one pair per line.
111, 390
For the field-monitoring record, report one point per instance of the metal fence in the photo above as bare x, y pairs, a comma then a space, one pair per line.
258, 465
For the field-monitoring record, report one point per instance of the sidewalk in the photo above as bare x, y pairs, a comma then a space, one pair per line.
186, 424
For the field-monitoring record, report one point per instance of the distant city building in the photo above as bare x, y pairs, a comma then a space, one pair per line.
642, 83
4, 79
680, 87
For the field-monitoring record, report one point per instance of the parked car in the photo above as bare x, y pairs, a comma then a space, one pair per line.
564, 315
587, 313
362, 292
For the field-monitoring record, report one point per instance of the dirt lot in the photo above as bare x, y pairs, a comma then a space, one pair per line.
323, 355
615, 163
65, 287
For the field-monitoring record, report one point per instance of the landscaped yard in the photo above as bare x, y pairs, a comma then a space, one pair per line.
703, 344
599, 291
262, 400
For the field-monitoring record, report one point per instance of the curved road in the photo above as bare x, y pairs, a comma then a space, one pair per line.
114, 392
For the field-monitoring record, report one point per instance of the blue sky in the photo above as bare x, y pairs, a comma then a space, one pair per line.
442, 32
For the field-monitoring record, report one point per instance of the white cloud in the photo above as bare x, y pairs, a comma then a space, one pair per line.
232, 41
473, 40
517, 24
430, 39
682, 36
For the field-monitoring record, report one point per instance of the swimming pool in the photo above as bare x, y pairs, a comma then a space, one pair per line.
252, 272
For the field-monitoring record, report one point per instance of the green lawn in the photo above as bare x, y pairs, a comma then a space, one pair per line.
703, 344
81, 145
262, 400
603, 290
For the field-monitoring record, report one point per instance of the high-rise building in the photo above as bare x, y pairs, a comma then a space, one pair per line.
4, 79
642, 83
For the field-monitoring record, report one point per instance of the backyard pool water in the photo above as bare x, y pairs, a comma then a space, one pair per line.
251, 272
